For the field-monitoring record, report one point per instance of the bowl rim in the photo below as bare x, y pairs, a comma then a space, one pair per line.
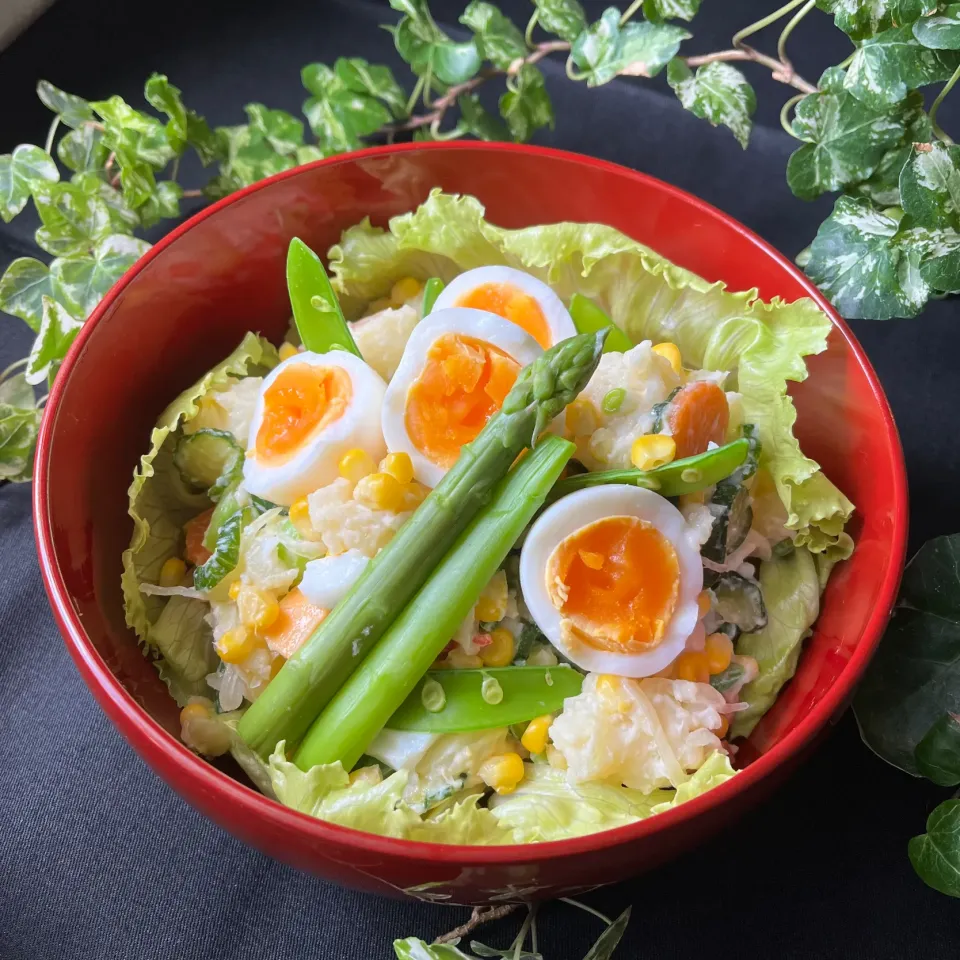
147, 736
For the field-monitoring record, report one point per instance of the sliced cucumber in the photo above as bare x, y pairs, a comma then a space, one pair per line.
731, 504
660, 409
739, 601
208, 459
722, 682
226, 554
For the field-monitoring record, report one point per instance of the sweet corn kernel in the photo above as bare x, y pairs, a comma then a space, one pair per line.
287, 350
581, 417
406, 288
234, 590
724, 727
236, 645
670, 352
356, 464
399, 466
382, 491
718, 651
535, 736
652, 450
193, 711
692, 666
414, 494
703, 603
502, 772
300, 518
257, 608
499, 652
172, 571
439, 665
463, 661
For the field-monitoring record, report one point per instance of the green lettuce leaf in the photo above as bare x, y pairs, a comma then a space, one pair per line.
160, 504
325, 792
791, 592
761, 344
547, 807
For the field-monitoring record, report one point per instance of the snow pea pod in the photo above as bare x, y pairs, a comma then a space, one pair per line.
316, 309
589, 318
431, 290
466, 704
672, 479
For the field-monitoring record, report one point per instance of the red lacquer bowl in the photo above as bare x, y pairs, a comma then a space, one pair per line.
185, 305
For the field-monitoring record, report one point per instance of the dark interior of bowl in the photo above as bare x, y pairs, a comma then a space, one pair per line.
224, 275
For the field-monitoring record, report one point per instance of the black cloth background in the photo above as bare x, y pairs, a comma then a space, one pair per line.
99, 859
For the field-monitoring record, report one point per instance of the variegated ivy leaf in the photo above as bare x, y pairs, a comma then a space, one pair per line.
940, 31
846, 140
657, 10
427, 49
281, 130
606, 49
123, 219
20, 173
137, 135
717, 93
886, 66
82, 282
858, 261
374, 80
339, 116
18, 435
82, 150
57, 331
185, 127
74, 111
248, 157
73, 221
22, 287
866, 18
162, 204
498, 39
565, 18
526, 106
479, 121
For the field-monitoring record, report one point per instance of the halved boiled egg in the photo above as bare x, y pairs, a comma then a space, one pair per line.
456, 369
611, 576
312, 409
514, 295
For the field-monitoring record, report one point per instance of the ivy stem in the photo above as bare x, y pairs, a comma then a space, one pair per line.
175, 169
192, 193
843, 64
935, 106
630, 11
414, 96
521, 938
477, 918
785, 112
781, 71
758, 25
789, 28
583, 906
14, 366
531, 23
48, 146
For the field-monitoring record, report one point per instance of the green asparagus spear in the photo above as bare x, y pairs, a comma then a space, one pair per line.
309, 680
344, 730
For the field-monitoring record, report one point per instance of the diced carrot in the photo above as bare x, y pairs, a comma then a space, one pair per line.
297, 621
195, 552
697, 415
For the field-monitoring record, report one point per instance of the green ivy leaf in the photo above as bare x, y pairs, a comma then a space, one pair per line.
73, 111
20, 174
717, 93
866, 18
937, 250
136, 179
942, 30
657, 10
606, 49
57, 331
122, 218
162, 204
565, 18
935, 855
339, 116
135, 134
886, 66
479, 121
309, 153
857, 261
374, 80
428, 49
248, 157
846, 140
526, 105
938, 753
185, 127
73, 221
81, 282
82, 150
22, 287
498, 39
281, 130
19, 423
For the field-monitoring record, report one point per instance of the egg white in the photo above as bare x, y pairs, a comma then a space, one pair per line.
479, 325
316, 462
584, 507
555, 313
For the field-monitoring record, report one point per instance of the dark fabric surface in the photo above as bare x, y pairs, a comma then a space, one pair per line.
99, 859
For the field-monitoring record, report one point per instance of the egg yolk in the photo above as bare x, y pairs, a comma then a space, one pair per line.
462, 384
616, 583
511, 303
302, 399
